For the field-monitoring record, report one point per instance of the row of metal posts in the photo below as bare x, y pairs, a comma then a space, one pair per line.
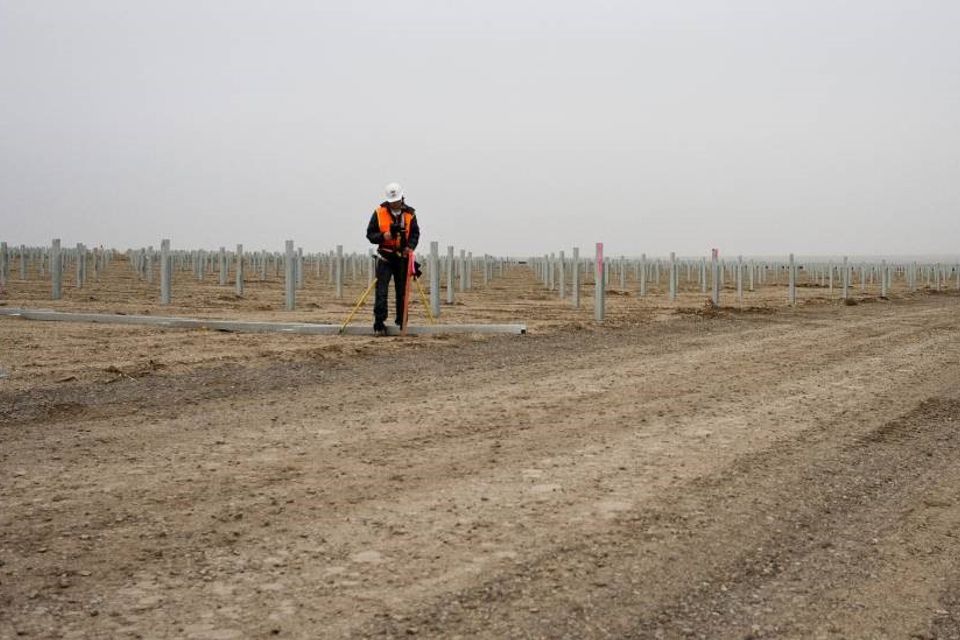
551, 270
882, 274
552, 273
294, 268
936, 275
463, 268
869, 273
54, 260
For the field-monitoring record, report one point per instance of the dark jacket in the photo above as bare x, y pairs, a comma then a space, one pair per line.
375, 236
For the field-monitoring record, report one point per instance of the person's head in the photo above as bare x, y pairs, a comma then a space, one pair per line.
394, 195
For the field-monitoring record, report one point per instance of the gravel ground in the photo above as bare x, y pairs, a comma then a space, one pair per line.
785, 474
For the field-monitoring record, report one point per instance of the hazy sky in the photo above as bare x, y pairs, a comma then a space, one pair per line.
516, 127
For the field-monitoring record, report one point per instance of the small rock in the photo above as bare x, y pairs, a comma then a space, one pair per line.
369, 557
542, 489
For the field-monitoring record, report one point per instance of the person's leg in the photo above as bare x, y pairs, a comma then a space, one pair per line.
399, 283
380, 302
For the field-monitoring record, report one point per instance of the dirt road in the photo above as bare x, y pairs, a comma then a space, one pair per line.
779, 475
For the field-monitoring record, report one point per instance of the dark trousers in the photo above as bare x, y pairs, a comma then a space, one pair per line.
395, 266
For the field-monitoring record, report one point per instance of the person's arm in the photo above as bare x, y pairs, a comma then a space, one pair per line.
374, 235
414, 238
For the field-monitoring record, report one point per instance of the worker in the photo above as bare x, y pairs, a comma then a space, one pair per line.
393, 227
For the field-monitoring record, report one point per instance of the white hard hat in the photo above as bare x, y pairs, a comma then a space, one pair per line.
394, 192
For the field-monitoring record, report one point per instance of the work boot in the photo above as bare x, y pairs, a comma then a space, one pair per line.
379, 329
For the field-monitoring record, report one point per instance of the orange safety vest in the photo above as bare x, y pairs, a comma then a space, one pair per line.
385, 219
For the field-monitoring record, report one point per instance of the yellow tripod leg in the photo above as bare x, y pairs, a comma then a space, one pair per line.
363, 298
426, 305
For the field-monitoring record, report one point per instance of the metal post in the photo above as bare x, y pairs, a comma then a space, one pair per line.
435, 278
740, 280
599, 279
222, 265
846, 278
792, 279
239, 269
715, 266
290, 277
78, 266
561, 268
673, 276
4, 264
165, 272
56, 271
643, 275
469, 271
299, 267
338, 271
575, 277
449, 268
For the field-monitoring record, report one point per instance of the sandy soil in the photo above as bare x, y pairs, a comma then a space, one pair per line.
680, 472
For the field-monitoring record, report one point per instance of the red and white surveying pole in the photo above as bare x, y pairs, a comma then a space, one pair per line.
411, 269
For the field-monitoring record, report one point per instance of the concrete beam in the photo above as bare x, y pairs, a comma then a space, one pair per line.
243, 326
